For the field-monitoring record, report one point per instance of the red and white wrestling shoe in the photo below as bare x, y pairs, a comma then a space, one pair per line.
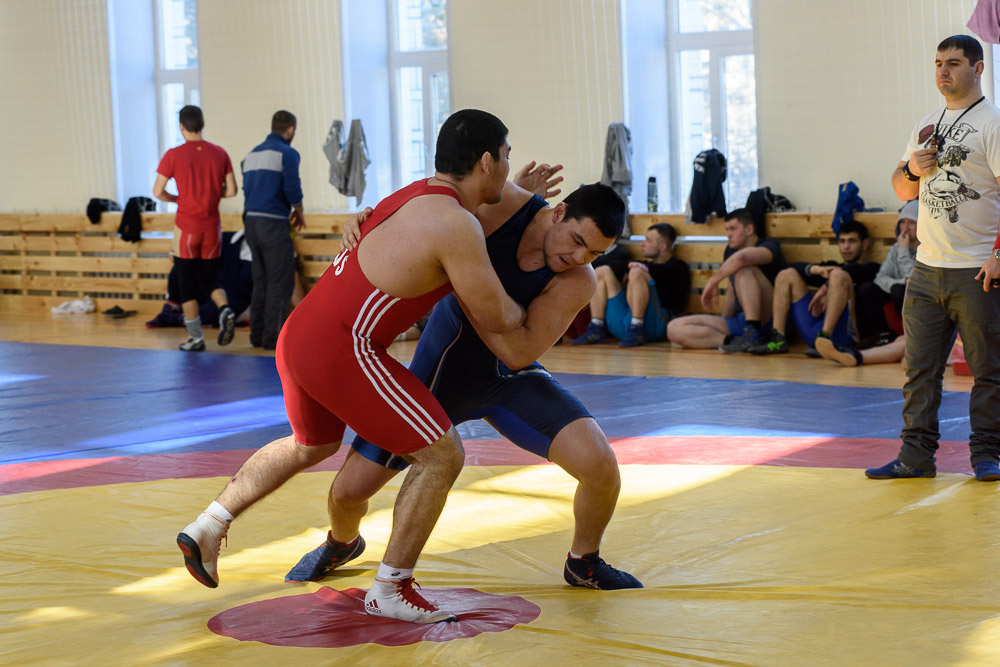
398, 599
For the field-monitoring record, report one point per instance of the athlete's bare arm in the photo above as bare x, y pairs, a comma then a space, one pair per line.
476, 284
549, 316
432, 240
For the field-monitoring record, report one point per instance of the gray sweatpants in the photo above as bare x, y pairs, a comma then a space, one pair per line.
939, 301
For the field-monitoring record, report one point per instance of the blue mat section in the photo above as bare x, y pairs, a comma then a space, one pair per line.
67, 402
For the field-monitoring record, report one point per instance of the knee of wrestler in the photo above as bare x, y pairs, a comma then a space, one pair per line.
785, 276
310, 455
602, 469
445, 455
839, 278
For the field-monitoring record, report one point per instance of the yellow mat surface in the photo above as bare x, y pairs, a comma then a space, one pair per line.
742, 566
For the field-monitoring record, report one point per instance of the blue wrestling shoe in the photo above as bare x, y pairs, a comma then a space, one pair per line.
633, 337
987, 471
325, 558
591, 571
595, 333
897, 470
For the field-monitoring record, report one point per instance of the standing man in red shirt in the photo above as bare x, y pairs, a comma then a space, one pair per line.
204, 175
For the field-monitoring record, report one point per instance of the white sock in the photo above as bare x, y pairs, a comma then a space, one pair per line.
387, 573
599, 321
220, 512
573, 555
194, 328
637, 321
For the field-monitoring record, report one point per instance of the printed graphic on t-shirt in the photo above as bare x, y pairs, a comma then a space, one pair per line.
945, 190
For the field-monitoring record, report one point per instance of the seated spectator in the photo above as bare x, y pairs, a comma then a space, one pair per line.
751, 265
822, 313
889, 284
654, 292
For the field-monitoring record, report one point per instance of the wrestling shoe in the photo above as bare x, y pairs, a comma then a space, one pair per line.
845, 356
325, 558
633, 337
398, 599
743, 342
591, 571
200, 543
812, 353
227, 325
776, 343
192, 345
897, 470
596, 333
987, 471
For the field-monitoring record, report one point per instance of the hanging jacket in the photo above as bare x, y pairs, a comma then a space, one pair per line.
130, 228
707, 196
848, 202
95, 207
617, 171
348, 159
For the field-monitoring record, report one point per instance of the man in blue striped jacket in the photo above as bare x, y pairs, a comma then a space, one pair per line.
272, 204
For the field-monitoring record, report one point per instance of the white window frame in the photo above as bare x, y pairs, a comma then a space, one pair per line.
719, 44
190, 78
430, 62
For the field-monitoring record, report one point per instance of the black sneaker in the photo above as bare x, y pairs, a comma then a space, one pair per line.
227, 325
812, 353
192, 345
325, 558
742, 343
591, 571
776, 343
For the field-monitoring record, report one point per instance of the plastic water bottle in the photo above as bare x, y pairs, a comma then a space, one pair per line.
651, 198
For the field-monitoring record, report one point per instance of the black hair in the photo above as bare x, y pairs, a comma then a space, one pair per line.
601, 204
666, 231
744, 217
281, 121
970, 46
192, 119
463, 139
853, 226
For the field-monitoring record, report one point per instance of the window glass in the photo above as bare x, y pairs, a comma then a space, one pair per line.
440, 100
695, 111
713, 15
410, 117
421, 25
172, 96
179, 34
741, 127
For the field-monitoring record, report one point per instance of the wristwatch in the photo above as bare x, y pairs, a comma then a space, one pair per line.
996, 253
909, 175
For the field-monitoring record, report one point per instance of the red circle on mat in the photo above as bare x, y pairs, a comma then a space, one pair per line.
335, 619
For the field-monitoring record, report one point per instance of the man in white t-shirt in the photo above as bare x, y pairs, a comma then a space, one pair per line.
952, 162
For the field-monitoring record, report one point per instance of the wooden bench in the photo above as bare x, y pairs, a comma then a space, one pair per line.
48, 258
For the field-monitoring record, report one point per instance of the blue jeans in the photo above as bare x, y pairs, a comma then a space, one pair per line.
938, 302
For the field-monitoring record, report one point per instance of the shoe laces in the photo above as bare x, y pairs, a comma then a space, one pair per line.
225, 532
405, 590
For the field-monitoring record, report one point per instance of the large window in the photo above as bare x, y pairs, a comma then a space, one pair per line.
421, 98
712, 60
177, 79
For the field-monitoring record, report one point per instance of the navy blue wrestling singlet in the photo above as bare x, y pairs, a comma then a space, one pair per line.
527, 406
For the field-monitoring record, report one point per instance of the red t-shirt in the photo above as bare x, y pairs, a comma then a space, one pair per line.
199, 168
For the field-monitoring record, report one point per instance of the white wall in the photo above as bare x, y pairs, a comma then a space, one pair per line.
841, 86
56, 148
550, 70
258, 56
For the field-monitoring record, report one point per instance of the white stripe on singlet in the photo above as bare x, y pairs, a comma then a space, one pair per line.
377, 305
